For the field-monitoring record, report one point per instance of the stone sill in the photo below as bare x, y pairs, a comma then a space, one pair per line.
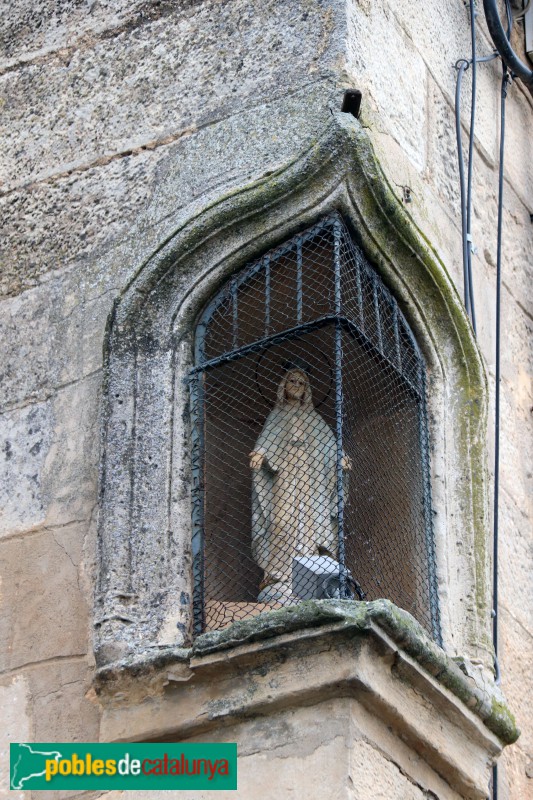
301, 656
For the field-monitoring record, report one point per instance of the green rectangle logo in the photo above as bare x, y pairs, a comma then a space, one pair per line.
84, 766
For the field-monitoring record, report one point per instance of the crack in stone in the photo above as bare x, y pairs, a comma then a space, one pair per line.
42, 695
102, 161
521, 624
426, 792
162, 142
32, 401
14, 671
44, 528
75, 566
522, 308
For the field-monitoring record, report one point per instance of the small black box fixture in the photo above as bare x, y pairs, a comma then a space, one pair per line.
351, 103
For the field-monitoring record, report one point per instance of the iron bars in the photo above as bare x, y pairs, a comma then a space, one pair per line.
309, 438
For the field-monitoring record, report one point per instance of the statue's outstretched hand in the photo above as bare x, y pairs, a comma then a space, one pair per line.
256, 460
346, 463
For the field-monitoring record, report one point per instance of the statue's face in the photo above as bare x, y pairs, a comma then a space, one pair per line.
295, 386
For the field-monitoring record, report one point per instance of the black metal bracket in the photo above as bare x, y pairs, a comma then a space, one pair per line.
351, 103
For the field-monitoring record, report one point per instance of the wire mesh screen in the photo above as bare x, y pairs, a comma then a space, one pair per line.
310, 449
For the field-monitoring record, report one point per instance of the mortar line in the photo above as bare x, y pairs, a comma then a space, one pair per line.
14, 671
154, 144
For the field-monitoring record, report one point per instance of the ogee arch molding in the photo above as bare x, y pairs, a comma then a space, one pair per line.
143, 598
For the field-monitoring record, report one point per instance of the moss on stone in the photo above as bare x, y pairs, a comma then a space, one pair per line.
140, 664
348, 617
360, 618
309, 614
502, 721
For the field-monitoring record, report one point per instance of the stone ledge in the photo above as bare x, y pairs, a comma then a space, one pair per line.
299, 629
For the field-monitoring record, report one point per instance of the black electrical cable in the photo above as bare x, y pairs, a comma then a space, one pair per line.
502, 44
469, 247
466, 220
505, 81
466, 194
495, 782
503, 96
510, 19
462, 66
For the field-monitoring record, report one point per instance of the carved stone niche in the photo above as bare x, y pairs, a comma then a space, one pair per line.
328, 699
143, 592
398, 716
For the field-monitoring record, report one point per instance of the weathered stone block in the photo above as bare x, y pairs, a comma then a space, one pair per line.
515, 566
517, 270
70, 474
429, 207
196, 68
50, 337
518, 147
516, 477
515, 772
61, 712
517, 241
30, 28
77, 220
517, 355
25, 436
399, 105
442, 36
44, 610
68, 219
49, 459
516, 653
25, 331
443, 171
16, 726
374, 776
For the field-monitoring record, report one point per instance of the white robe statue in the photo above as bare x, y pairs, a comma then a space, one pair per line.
294, 493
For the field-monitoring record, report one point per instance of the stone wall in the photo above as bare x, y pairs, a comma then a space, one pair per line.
412, 126
121, 121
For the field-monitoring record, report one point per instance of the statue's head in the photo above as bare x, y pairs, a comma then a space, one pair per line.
295, 386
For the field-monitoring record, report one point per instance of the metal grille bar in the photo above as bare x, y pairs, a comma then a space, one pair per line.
306, 368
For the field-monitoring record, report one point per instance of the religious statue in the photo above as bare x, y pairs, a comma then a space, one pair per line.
294, 492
